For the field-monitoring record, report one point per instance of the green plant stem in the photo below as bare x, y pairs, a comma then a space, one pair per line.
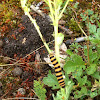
57, 17
51, 10
64, 93
63, 9
38, 30
56, 33
88, 40
26, 10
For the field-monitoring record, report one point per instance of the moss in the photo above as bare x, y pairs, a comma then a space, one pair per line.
10, 12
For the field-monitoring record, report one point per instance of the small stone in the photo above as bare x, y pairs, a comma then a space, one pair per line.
22, 91
17, 71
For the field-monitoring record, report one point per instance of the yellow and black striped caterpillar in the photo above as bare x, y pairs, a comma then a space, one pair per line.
57, 70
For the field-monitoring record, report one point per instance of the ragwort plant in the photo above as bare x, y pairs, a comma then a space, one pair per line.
86, 71
55, 15
83, 71
84, 75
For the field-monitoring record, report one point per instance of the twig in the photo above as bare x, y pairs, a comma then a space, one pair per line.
37, 11
33, 91
4, 71
65, 29
30, 63
21, 98
16, 63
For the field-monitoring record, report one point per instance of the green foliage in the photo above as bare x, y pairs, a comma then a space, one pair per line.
75, 66
75, 46
95, 91
64, 94
60, 38
89, 14
90, 19
92, 55
76, 5
96, 38
96, 75
9, 15
60, 95
51, 81
93, 94
91, 69
82, 92
80, 71
39, 90
75, 63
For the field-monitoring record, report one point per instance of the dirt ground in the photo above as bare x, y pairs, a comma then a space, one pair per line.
21, 42
27, 39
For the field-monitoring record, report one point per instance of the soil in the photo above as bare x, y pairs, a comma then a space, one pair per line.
23, 41
27, 39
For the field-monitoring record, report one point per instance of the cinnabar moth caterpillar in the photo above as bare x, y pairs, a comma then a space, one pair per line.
57, 70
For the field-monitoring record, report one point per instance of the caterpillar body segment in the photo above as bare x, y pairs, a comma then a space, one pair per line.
57, 70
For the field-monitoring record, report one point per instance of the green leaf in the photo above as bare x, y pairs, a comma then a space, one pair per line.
84, 18
89, 12
91, 69
94, 18
92, 28
64, 94
98, 32
39, 90
99, 91
78, 72
76, 4
88, 83
59, 2
72, 64
51, 81
69, 52
92, 55
69, 67
82, 92
60, 95
98, 23
68, 88
60, 38
93, 94
96, 75
96, 42
82, 81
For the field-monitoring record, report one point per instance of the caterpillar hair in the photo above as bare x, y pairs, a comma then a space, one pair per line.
57, 70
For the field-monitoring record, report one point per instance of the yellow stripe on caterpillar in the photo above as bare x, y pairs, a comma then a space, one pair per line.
57, 70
